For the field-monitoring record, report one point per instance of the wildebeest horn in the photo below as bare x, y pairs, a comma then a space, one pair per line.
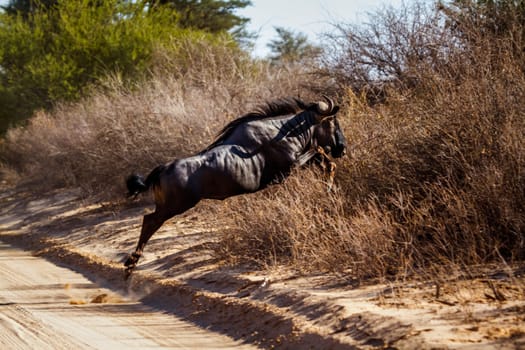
325, 108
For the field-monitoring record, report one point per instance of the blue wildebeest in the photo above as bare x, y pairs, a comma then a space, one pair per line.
250, 153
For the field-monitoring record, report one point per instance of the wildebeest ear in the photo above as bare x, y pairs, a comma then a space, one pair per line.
335, 110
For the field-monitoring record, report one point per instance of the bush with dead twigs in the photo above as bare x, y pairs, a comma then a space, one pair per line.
435, 174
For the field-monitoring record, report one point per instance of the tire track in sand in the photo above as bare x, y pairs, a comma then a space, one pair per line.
44, 306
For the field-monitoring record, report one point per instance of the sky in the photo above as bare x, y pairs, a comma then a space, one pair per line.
310, 17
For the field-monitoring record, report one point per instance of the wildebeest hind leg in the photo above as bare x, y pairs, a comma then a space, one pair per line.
150, 224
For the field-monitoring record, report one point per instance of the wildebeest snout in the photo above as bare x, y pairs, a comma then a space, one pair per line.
339, 148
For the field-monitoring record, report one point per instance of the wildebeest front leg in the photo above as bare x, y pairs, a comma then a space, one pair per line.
330, 167
150, 224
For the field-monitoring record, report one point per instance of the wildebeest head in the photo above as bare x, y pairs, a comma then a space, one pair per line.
327, 132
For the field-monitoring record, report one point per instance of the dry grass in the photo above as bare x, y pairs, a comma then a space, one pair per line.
95, 143
434, 180
302, 225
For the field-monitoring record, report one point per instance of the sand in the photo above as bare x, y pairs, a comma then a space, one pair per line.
73, 294
44, 306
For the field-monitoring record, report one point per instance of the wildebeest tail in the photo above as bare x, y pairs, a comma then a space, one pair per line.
136, 184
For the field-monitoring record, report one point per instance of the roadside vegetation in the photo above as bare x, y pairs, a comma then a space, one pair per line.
433, 101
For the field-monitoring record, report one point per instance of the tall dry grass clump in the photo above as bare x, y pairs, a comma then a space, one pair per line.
95, 143
435, 174
302, 225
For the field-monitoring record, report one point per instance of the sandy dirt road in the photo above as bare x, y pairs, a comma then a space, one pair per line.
44, 306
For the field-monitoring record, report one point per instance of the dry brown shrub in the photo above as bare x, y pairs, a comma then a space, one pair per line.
95, 143
434, 180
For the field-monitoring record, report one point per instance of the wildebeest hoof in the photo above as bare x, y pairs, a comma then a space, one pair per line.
128, 271
132, 260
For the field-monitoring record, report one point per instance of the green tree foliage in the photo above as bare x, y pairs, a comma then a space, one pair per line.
25, 7
52, 55
291, 47
209, 15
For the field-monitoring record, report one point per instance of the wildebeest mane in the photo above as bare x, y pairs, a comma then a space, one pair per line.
272, 109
